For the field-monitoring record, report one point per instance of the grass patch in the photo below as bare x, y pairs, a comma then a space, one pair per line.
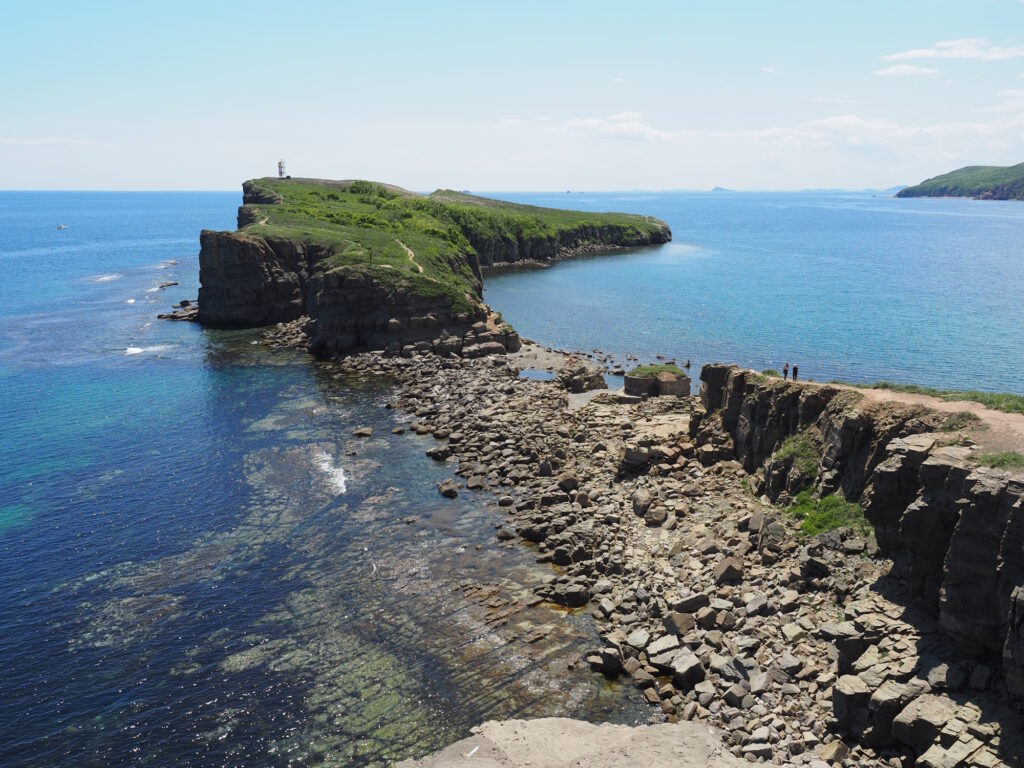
960, 420
770, 372
801, 449
820, 515
1003, 460
649, 371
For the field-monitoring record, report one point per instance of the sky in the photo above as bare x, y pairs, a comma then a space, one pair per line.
509, 96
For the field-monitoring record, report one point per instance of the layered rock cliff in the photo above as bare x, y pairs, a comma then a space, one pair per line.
957, 528
372, 266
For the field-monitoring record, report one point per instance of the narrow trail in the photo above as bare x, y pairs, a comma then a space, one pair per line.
995, 432
412, 256
1002, 432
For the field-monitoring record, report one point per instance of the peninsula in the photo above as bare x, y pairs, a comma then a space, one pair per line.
983, 182
363, 265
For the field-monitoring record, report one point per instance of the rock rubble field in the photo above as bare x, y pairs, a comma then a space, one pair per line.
657, 517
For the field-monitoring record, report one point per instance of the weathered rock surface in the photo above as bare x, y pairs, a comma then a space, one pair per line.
563, 743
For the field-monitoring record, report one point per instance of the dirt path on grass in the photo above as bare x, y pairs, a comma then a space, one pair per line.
412, 256
997, 431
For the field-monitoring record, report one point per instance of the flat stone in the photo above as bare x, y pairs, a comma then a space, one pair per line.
834, 752
639, 639
692, 603
679, 623
729, 667
919, 723
662, 644
793, 632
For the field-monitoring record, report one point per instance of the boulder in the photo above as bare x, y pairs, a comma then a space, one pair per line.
918, 724
850, 698
641, 501
687, 670
728, 570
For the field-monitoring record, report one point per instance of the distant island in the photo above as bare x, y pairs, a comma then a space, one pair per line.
364, 265
982, 182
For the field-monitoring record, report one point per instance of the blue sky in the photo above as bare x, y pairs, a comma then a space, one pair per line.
517, 96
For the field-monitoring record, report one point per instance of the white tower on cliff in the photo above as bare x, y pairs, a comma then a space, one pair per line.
280, 169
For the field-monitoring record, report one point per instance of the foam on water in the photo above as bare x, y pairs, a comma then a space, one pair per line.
147, 350
335, 474
105, 278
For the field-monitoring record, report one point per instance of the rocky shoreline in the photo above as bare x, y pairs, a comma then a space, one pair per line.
656, 517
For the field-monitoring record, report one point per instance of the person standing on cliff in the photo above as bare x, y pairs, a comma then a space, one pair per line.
785, 371
796, 368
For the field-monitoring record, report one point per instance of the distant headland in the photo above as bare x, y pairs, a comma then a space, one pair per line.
364, 265
982, 182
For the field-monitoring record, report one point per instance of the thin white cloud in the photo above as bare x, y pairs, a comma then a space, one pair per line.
1012, 101
978, 48
618, 79
45, 141
835, 99
905, 70
624, 125
770, 70
853, 131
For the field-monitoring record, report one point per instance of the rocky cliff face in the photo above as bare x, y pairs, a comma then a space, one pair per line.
961, 529
958, 528
496, 251
249, 281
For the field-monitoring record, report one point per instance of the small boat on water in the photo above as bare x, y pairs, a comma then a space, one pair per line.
62, 226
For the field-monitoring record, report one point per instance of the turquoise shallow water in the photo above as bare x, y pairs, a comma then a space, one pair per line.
846, 285
199, 565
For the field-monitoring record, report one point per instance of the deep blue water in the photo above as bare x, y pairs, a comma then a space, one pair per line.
846, 285
199, 565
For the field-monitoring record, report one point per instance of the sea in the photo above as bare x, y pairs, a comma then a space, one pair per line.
201, 566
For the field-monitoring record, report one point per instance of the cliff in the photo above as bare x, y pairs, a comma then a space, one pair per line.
956, 528
375, 266
984, 182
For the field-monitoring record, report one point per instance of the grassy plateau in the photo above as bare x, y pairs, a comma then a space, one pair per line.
421, 243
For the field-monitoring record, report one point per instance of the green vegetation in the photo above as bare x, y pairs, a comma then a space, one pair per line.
423, 244
769, 372
829, 513
804, 454
1004, 460
649, 371
991, 182
960, 420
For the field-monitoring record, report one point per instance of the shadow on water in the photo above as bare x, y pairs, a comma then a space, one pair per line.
343, 614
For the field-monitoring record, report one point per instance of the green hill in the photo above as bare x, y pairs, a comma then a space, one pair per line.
371, 265
984, 182
374, 226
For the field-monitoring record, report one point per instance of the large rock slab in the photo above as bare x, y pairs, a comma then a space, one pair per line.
920, 722
557, 742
